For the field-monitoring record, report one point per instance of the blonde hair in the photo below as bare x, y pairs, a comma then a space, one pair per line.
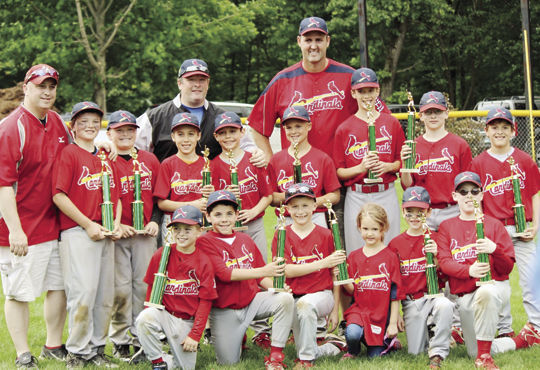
376, 213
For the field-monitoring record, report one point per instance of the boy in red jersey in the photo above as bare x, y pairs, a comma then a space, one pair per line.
87, 253
133, 251
494, 169
318, 169
187, 297
310, 257
253, 188
458, 246
417, 308
440, 156
353, 158
240, 274
180, 176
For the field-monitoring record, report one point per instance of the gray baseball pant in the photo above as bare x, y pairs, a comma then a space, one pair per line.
131, 258
439, 215
256, 232
229, 325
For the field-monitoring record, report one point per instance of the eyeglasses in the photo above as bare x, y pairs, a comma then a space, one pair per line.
474, 191
43, 71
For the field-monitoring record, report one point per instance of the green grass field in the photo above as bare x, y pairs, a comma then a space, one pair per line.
254, 357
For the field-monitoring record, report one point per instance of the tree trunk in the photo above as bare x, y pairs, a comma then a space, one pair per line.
392, 60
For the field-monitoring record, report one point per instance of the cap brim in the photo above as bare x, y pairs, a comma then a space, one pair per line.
39, 79
237, 125
183, 221
503, 118
465, 181
193, 73
185, 124
424, 108
364, 84
231, 202
87, 110
311, 29
120, 124
287, 200
295, 117
417, 204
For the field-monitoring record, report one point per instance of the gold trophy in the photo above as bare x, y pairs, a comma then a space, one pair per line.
297, 165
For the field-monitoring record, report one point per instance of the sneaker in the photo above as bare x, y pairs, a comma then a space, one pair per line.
347, 356
485, 362
138, 357
160, 366
391, 345
58, 354
341, 328
529, 335
337, 344
121, 351
262, 340
207, 338
102, 360
302, 364
26, 361
457, 335
435, 362
274, 361
511, 334
74, 361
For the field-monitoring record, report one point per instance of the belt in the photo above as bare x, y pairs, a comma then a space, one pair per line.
441, 205
371, 188
182, 315
415, 296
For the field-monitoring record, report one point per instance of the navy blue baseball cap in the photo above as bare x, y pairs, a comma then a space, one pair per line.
221, 196
312, 24
467, 176
499, 113
227, 119
433, 100
188, 215
192, 67
187, 119
299, 190
295, 112
364, 77
85, 106
416, 196
121, 118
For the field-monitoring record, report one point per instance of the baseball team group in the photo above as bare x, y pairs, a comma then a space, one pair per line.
341, 147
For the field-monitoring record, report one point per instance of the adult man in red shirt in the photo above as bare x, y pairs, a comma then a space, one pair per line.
31, 137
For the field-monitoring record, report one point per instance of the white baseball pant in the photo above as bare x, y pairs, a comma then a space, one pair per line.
438, 215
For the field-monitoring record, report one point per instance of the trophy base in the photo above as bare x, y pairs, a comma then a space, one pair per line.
108, 233
240, 228
158, 306
521, 235
480, 283
431, 296
409, 170
278, 290
140, 232
376, 180
343, 282
207, 228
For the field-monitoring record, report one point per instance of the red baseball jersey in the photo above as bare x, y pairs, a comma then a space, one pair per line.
439, 162
318, 171
373, 279
149, 174
252, 181
190, 279
228, 252
325, 95
78, 175
316, 246
351, 144
28, 150
179, 181
497, 183
456, 252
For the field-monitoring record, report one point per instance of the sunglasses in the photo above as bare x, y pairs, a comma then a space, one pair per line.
464, 192
196, 68
299, 189
43, 71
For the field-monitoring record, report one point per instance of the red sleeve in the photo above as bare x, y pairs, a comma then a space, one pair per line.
272, 175
398, 141
444, 256
162, 187
152, 269
201, 316
339, 156
62, 173
264, 115
264, 182
10, 153
216, 258
465, 157
331, 181
396, 277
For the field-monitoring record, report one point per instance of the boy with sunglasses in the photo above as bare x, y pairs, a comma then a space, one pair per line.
494, 168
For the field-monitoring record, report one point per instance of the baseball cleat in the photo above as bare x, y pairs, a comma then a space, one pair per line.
75, 362
121, 351
274, 361
262, 340
435, 362
302, 364
529, 335
485, 361
457, 335
511, 334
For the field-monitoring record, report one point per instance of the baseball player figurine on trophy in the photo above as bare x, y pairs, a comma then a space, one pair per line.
234, 181
279, 281
519, 208
297, 165
431, 268
160, 280
107, 206
372, 178
411, 119
137, 204
206, 180
343, 277
482, 257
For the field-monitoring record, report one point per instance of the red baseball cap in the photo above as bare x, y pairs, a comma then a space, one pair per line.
39, 73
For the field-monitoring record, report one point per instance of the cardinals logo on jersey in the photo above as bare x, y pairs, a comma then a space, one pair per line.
412, 266
359, 149
249, 183
310, 177
242, 262
373, 282
188, 286
315, 255
182, 187
440, 164
499, 186
92, 181
460, 254
333, 99
126, 182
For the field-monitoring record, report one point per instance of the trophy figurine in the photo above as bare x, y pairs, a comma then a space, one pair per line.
297, 165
